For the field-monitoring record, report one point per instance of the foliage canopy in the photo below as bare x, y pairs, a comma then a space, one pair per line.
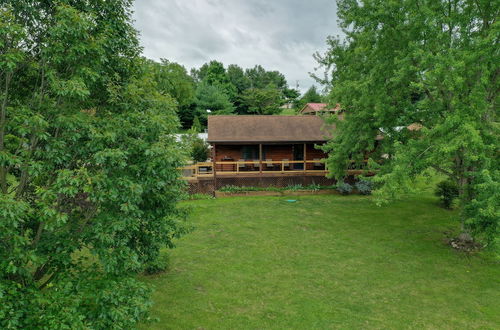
88, 179
434, 63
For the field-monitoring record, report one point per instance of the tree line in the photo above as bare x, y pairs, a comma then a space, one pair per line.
217, 90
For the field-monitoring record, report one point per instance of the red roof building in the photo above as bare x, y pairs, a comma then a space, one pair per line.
317, 108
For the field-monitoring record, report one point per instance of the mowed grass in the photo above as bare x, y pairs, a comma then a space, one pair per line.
288, 112
323, 262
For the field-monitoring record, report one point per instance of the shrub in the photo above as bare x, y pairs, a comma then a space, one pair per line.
231, 189
364, 187
157, 266
328, 187
447, 191
295, 187
313, 187
344, 188
199, 196
199, 151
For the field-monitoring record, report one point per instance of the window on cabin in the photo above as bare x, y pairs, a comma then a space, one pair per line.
250, 152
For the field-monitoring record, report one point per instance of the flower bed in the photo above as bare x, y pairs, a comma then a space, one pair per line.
275, 193
361, 187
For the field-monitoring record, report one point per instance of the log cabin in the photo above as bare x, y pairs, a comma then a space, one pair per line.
263, 151
267, 144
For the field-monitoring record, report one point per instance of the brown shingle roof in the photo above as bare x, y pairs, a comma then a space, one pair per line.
267, 129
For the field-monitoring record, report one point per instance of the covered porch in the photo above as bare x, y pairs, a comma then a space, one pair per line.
252, 159
267, 157
263, 146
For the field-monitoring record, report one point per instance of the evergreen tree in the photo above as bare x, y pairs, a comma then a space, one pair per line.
310, 96
211, 100
196, 127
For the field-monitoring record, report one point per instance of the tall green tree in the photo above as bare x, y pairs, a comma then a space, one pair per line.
214, 74
260, 78
267, 90
88, 179
173, 79
291, 94
211, 100
261, 101
310, 96
429, 62
237, 77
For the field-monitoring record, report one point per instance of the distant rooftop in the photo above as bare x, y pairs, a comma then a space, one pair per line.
317, 107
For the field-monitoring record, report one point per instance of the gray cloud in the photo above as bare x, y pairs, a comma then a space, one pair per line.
278, 34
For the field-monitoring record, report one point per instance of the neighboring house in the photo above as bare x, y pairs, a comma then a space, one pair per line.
319, 108
288, 105
202, 136
415, 127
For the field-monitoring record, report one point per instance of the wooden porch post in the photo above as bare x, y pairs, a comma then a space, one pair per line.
260, 157
213, 168
305, 156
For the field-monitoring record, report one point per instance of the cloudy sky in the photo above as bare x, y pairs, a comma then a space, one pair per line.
278, 34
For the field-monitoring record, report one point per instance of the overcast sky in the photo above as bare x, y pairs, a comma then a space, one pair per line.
277, 34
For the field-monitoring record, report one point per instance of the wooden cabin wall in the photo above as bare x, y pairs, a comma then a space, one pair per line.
313, 153
274, 152
277, 152
227, 151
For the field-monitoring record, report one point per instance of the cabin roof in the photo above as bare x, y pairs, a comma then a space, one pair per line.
238, 129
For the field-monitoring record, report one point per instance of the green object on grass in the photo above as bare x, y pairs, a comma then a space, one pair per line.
291, 200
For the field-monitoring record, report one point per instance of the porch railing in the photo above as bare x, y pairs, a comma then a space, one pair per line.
205, 169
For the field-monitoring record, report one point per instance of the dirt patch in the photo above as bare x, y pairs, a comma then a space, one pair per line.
463, 243
466, 246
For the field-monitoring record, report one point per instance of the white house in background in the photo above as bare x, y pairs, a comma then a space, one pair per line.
288, 105
203, 136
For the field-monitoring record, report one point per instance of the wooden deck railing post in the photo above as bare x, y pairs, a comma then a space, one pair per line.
260, 157
213, 168
305, 157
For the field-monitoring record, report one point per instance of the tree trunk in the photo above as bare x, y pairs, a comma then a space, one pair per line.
3, 120
463, 195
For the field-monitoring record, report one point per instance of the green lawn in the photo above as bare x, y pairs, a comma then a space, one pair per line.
323, 262
288, 112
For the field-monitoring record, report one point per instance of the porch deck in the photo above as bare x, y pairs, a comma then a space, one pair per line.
256, 168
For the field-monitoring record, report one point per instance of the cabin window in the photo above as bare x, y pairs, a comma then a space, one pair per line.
250, 152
